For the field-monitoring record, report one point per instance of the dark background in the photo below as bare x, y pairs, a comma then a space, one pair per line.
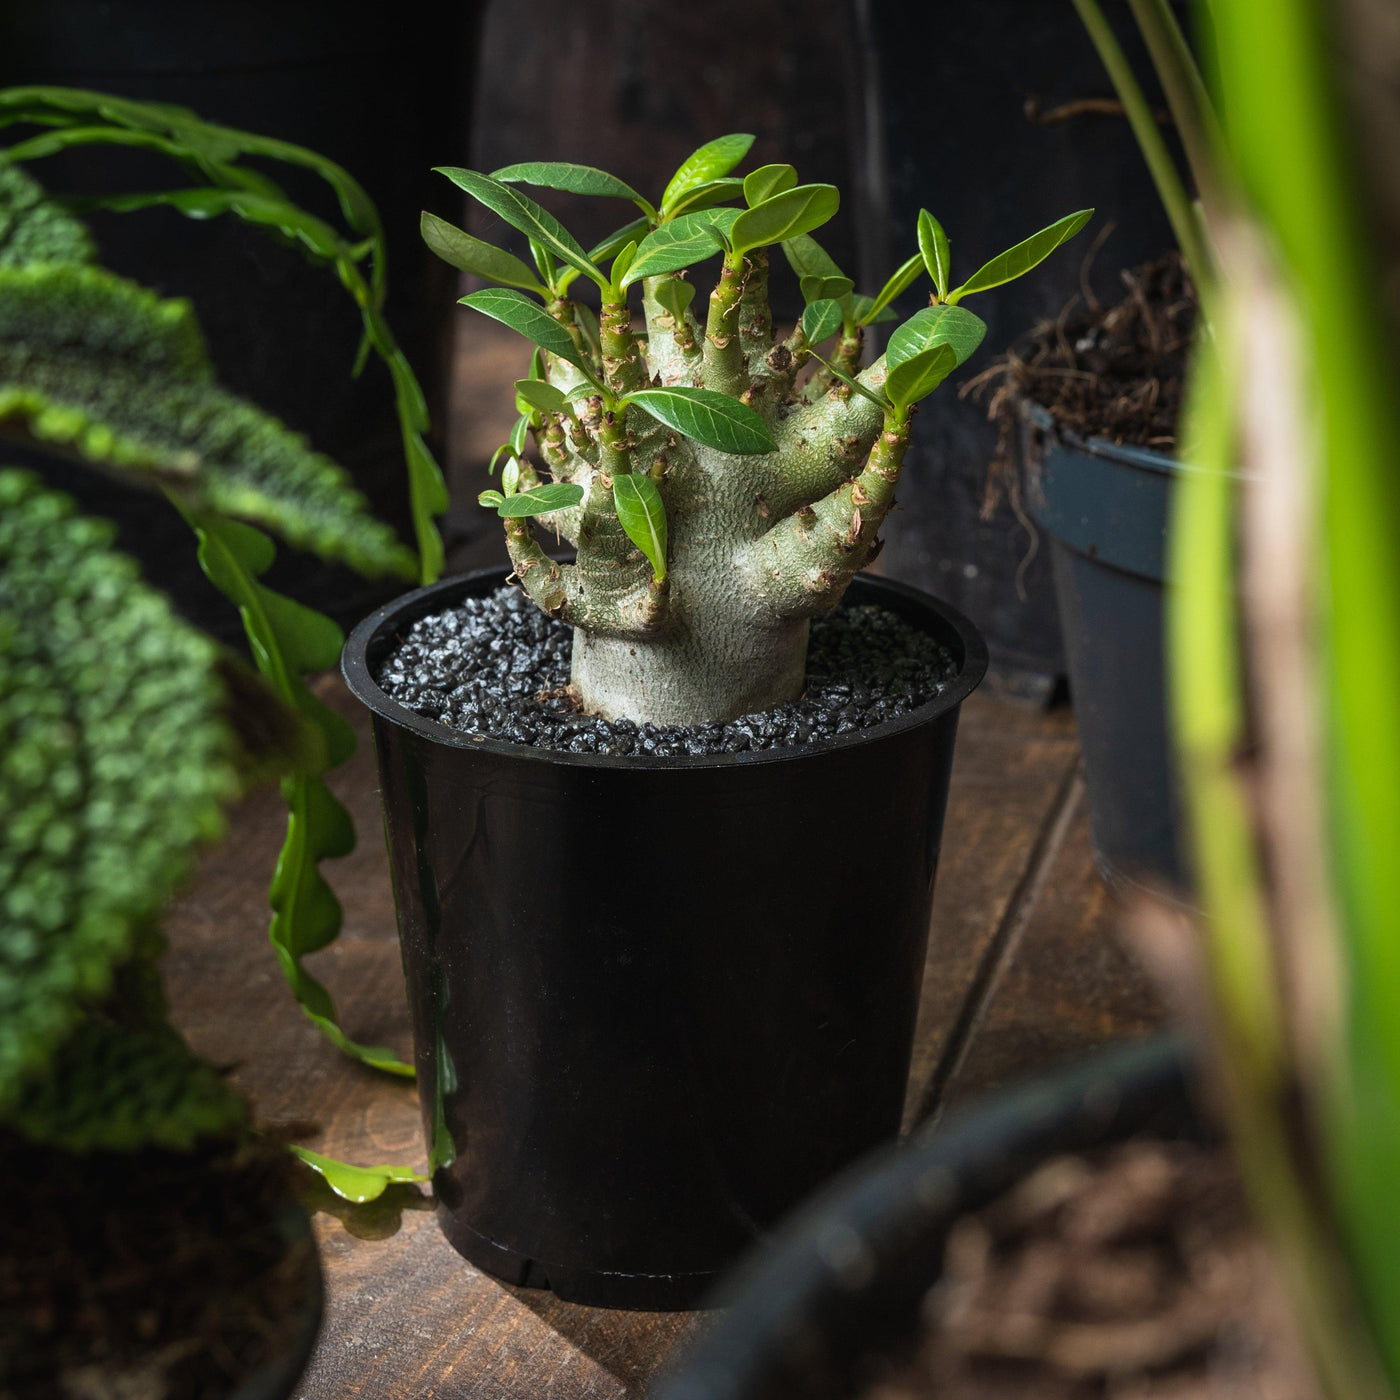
900, 104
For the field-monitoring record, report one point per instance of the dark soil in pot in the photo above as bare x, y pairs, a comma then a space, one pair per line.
159, 1275
1132, 1273
658, 996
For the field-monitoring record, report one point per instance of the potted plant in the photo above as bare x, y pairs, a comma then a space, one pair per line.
152, 1240
1089, 404
660, 988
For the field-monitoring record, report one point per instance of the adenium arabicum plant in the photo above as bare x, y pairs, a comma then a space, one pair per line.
718, 497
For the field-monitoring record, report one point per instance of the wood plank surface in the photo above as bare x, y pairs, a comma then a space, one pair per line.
405, 1315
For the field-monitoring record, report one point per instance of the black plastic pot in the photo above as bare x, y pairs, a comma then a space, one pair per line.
814, 1312
1105, 509
655, 1001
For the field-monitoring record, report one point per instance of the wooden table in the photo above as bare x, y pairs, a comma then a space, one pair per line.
1023, 968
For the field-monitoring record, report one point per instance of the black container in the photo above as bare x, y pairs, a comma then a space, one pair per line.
655, 1001
815, 1312
1105, 508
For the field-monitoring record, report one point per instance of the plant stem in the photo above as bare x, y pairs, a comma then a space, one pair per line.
1165, 176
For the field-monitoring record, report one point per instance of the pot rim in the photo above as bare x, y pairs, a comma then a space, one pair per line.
355, 667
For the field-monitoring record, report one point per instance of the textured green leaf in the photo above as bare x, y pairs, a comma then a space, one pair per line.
767, 181
641, 513
113, 765
784, 216
287, 639
933, 248
554, 495
522, 213
517, 311
575, 179
459, 249
707, 195
541, 394
936, 325
1029, 253
490, 499
905, 275
674, 295
680, 243
357, 1184
33, 228
116, 1088
821, 320
915, 378
510, 477
710, 418
97, 364
714, 159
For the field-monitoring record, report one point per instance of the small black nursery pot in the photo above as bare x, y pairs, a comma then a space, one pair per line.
655, 1000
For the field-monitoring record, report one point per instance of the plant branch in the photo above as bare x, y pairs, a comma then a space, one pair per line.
724, 351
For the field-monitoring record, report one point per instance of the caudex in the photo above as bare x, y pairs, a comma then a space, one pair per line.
718, 493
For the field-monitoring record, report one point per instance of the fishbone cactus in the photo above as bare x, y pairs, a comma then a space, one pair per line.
719, 495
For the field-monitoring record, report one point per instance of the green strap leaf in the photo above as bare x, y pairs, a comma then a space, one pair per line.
114, 765
1029, 253
99, 365
351, 1183
621, 263
767, 181
917, 377
706, 196
674, 295
287, 639
936, 325
541, 394
821, 320
460, 250
641, 513
784, 216
933, 248
904, 276
553, 495
524, 214
517, 311
713, 159
710, 418
681, 243
575, 179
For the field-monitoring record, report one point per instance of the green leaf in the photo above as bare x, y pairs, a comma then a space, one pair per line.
524, 214
933, 248
674, 295
936, 325
357, 1184
517, 311
553, 495
863, 312
575, 179
540, 394
1029, 253
821, 320
853, 384
286, 640
904, 276
621, 263
518, 434
98, 365
459, 249
826, 288
641, 514
706, 196
710, 418
915, 378
680, 243
784, 216
808, 258
114, 764
767, 181
713, 159
614, 243
490, 499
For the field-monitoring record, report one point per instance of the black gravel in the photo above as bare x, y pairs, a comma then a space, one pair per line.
497, 666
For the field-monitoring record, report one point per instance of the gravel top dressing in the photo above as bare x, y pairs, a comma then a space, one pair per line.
498, 667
